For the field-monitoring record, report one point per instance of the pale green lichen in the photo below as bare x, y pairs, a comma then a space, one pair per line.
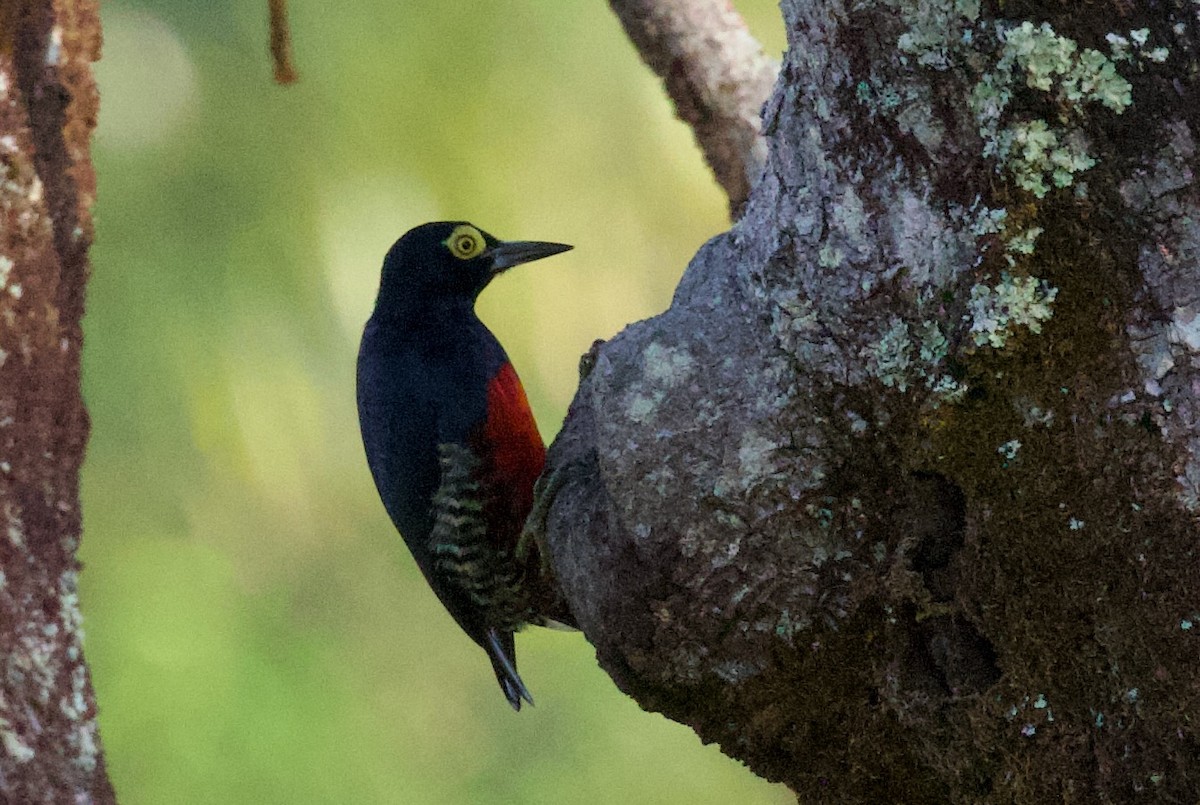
910, 108
68, 604
830, 256
798, 313
936, 30
889, 358
730, 520
1023, 241
1034, 416
87, 748
878, 94
905, 353
985, 221
14, 528
82, 737
1121, 48
1036, 152
37, 664
640, 407
663, 368
988, 221
16, 748
1053, 63
946, 389
37, 661
996, 312
934, 345
74, 704
1040, 154
1009, 449
756, 458
667, 366
789, 625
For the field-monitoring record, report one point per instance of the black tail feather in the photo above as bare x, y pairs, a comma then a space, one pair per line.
502, 651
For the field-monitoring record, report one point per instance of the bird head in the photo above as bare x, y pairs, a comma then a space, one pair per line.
451, 262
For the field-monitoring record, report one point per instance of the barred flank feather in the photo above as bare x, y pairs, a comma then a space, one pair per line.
467, 559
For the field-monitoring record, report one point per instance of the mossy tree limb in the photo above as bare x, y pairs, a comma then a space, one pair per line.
49, 746
898, 501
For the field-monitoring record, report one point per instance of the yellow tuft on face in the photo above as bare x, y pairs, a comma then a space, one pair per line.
465, 242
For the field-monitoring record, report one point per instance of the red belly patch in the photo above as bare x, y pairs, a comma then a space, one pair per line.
515, 454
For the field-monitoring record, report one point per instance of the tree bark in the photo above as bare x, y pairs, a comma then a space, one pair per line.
898, 501
49, 747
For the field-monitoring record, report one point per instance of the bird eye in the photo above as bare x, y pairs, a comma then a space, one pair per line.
465, 242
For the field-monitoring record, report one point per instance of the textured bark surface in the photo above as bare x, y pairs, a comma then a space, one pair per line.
49, 747
898, 501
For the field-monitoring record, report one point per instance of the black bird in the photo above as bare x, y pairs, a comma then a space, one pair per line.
449, 435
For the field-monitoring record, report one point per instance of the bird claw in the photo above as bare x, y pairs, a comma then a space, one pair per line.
533, 534
550, 605
548, 485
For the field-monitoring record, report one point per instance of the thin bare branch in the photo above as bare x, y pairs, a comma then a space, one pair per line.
717, 75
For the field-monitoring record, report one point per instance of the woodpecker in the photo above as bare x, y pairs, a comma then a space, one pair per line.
449, 435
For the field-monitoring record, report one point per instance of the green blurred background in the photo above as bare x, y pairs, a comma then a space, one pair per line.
257, 632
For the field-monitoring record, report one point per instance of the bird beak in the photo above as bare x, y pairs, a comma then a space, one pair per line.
511, 253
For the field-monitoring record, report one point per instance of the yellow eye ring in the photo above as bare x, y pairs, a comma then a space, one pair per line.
465, 242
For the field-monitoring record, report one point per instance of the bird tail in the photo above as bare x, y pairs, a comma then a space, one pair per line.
501, 650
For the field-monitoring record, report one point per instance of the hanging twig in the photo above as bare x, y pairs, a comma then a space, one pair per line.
281, 42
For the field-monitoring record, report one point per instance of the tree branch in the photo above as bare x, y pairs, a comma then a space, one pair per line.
898, 501
716, 74
49, 746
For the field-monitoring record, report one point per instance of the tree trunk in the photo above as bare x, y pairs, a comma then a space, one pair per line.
898, 501
49, 747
